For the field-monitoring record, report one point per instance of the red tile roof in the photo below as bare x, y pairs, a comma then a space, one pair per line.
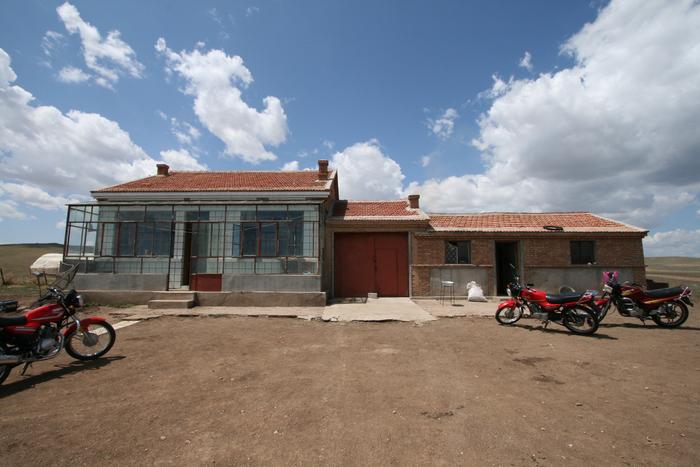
527, 222
395, 209
225, 181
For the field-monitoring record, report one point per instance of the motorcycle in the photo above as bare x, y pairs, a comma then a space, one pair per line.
571, 310
49, 326
668, 307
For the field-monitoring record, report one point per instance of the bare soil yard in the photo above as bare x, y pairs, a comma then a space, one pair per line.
266, 391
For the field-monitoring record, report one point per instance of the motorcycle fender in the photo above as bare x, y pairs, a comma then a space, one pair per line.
506, 304
83, 323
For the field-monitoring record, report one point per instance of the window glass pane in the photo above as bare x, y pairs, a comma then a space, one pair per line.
272, 212
216, 247
144, 243
76, 214
163, 237
206, 265
108, 213
130, 213
268, 242
100, 265
75, 239
127, 239
239, 266
108, 239
127, 265
450, 253
186, 213
200, 239
309, 239
155, 265
234, 234
269, 265
250, 239
303, 212
90, 238
463, 252
582, 252
302, 266
239, 212
159, 213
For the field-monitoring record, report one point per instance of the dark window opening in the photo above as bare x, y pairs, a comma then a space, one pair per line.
582, 252
458, 252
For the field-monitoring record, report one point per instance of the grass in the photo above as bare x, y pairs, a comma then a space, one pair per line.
16, 259
676, 270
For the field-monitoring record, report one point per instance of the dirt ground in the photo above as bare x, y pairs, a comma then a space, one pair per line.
280, 391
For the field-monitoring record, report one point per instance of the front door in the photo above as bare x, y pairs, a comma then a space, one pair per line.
506, 255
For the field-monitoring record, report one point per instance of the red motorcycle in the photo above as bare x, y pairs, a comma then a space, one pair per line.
570, 310
667, 307
51, 325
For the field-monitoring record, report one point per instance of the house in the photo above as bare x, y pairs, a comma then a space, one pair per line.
286, 238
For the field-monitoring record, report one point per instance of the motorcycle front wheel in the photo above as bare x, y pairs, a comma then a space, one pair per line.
509, 315
671, 315
580, 320
91, 343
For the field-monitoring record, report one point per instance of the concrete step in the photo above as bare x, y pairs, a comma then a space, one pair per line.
174, 295
170, 303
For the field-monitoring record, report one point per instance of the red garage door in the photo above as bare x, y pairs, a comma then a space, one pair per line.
371, 262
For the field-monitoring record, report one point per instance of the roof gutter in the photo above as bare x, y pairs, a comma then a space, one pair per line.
208, 195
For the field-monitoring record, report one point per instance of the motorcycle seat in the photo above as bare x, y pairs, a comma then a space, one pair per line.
564, 298
12, 320
667, 292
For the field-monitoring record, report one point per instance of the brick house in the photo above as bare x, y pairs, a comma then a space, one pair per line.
235, 237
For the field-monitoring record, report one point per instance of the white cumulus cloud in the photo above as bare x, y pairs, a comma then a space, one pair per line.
71, 74
290, 166
108, 58
444, 126
182, 159
365, 172
677, 242
215, 80
526, 61
616, 133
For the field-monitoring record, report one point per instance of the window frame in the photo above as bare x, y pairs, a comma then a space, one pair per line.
457, 242
576, 252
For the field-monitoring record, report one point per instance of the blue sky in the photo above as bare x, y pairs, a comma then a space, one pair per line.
431, 97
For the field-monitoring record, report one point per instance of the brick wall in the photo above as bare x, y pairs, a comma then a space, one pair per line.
555, 252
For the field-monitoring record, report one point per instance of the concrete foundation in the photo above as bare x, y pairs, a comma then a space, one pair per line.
141, 282
460, 276
234, 299
274, 282
580, 278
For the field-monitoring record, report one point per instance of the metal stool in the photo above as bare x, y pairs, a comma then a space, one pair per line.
447, 288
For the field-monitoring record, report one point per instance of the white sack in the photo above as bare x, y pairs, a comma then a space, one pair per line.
475, 293
49, 264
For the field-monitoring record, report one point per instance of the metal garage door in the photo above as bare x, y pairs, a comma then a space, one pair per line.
371, 262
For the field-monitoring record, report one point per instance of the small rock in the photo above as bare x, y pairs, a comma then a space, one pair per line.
646, 388
393, 411
682, 435
570, 445
579, 404
275, 432
543, 428
187, 441
162, 438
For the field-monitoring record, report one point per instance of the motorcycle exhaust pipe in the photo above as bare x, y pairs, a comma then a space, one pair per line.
9, 359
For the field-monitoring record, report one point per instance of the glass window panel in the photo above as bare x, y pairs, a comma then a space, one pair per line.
130, 213
76, 214
303, 212
283, 239
240, 212
159, 213
269, 265
270, 212
127, 265
212, 213
108, 213
108, 239
309, 239
186, 213
216, 247
233, 248
206, 266
239, 266
127, 239
162, 237
90, 239
268, 240
155, 265
201, 239
144, 239
75, 239
302, 266
250, 239
100, 265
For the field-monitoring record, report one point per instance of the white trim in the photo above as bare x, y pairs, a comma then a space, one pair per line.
208, 195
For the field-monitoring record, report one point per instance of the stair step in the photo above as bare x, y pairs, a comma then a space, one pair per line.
170, 303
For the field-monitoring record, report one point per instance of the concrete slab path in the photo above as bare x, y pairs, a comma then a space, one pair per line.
377, 309
459, 308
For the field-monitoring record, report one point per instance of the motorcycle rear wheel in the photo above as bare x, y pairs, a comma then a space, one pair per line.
84, 347
674, 318
580, 320
509, 315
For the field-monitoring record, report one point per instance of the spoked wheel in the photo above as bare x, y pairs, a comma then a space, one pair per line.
580, 320
509, 315
91, 342
671, 315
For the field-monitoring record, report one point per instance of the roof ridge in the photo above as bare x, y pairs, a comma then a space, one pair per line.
508, 212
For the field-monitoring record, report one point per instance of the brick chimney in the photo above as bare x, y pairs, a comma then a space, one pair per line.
163, 169
413, 201
323, 169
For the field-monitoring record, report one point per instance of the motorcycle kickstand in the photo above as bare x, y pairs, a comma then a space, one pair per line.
26, 365
544, 324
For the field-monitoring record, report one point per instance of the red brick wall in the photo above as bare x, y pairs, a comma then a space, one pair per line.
555, 252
